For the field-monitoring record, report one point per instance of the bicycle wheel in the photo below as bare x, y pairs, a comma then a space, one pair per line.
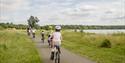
57, 59
52, 56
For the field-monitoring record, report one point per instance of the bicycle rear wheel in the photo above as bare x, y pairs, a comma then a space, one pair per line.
57, 59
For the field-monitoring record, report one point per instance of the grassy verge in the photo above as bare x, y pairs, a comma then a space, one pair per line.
87, 45
15, 47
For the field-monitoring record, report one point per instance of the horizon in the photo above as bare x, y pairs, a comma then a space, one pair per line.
60, 24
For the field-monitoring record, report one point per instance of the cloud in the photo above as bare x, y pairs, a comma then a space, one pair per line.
11, 5
3, 18
108, 13
87, 12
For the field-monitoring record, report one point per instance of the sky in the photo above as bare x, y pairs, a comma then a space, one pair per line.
84, 12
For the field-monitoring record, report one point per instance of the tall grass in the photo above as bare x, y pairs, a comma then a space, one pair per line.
87, 45
15, 47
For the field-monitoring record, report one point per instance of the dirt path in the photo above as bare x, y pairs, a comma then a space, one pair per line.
66, 56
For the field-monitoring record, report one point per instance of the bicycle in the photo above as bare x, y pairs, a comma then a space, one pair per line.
33, 35
42, 39
56, 55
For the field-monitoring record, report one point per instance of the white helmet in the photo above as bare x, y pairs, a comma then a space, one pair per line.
58, 27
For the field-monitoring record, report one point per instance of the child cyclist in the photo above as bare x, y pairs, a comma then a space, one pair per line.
56, 40
42, 34
33, 32
49, 40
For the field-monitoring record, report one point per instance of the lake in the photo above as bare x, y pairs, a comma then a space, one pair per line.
106, 31
102, 31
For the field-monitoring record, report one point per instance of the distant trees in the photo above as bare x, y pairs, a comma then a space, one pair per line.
82, 27
11, 25
47, 27
32, 22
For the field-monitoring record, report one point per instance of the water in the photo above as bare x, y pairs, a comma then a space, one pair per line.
106, 31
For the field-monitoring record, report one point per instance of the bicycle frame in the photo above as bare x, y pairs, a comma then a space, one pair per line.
57, 56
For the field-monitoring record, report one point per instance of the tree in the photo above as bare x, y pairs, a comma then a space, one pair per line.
32, 21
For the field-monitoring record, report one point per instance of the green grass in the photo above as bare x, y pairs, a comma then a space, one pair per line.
87, 45
16, 47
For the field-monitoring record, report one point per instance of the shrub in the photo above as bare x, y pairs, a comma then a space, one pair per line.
3, 46
106, 43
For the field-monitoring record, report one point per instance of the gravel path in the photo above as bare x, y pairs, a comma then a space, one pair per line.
66, 56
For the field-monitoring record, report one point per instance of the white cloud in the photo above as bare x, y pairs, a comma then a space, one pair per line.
3, 18
64, 11
104, 13
11, 5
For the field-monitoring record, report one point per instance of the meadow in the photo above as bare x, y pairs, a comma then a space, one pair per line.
17, 47
87, 45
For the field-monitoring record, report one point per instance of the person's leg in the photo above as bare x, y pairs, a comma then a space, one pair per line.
33, 35
52, 52
43, 39
58, 48
49, 42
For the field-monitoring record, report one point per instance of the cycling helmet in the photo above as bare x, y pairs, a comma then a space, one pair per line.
58, 27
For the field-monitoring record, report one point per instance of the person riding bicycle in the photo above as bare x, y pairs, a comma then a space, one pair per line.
42, 34
33, 32
28, 32
56, 40
49, 40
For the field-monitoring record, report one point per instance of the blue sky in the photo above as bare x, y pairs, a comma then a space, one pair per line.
85, 12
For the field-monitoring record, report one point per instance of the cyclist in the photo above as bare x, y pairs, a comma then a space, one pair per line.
49, 40
42, 34
56, 41
33, 33
28, 32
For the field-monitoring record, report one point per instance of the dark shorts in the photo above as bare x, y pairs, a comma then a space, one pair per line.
57, 47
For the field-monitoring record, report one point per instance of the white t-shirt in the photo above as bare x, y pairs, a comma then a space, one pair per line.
42, 33
33, 30
29, 31
57, 38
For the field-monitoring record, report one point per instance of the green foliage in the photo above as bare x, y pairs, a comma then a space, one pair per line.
87, 46
32, 21
16, 47
106, 43
48, 27
3, 46
11, 25
80, 27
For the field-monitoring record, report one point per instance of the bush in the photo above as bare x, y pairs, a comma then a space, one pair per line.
3, 46
106, 43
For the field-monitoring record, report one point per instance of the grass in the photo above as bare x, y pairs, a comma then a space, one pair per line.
16, 47
87, 45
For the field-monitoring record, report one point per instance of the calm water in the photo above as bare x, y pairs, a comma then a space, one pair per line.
106, 31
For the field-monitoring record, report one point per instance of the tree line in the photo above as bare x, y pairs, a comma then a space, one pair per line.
11, 25
32, 23
47, 27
